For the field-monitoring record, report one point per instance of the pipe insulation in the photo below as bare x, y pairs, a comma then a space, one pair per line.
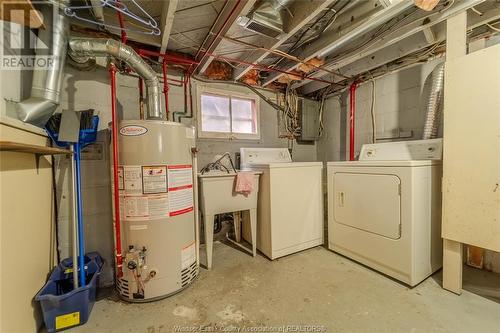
435, 103
46, 85
92, 47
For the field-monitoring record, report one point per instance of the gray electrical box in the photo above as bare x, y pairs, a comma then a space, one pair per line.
309, 119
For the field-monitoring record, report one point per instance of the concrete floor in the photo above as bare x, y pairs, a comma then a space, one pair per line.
314, 287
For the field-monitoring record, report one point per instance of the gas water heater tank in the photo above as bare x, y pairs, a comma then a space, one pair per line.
156, 209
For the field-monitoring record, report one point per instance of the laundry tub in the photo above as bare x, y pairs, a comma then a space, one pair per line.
217, 196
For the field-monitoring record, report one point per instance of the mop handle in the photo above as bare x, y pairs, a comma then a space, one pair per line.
74, 220
81, 238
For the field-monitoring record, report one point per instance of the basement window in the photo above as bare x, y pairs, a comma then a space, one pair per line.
226, 115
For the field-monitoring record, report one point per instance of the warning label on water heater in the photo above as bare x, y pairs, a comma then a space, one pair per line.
144, 207
180, 188
154, 179
132, 180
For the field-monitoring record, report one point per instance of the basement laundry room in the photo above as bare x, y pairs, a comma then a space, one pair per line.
250, 166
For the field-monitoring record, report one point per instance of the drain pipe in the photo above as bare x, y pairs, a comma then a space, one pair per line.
46, 84
85, 47
352, 116
435, 104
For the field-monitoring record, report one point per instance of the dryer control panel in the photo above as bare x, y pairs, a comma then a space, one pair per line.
402, 151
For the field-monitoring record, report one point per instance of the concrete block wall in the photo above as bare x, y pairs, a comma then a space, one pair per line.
400, 103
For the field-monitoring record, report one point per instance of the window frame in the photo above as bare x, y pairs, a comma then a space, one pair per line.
229, 94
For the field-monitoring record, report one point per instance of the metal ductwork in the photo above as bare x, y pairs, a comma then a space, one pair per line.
435, 103
267, 18
91, 47
46, 85
370, 24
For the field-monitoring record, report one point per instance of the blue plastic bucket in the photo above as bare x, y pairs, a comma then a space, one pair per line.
64, 307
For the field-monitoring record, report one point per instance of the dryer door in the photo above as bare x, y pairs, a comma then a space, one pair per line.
369, 202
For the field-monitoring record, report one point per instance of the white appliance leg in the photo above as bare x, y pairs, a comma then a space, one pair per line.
237, 226
253, 230
209, 238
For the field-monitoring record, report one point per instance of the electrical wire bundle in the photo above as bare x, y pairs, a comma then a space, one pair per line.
218, 166
323, 96
290, 114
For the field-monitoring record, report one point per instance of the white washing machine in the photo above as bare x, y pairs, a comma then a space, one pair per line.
290, 203
384, 210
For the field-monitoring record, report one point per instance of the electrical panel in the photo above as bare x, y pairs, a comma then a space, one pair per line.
309, 119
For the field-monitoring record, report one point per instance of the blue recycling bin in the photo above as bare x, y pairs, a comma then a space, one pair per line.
64, 307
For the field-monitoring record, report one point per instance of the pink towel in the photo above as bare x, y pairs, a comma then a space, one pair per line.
244, 182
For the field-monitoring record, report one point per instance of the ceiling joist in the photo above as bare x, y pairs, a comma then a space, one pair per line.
166, 22
335, 39
303, 12
226, 19
392, 42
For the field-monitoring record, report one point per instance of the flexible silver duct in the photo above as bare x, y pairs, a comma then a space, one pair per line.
435, 103
90, 47
46, 84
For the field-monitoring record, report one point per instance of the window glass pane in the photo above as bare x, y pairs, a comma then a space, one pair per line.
215, 113
243, 116
243, 126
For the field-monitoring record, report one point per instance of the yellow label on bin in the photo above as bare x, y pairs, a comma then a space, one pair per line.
67, 320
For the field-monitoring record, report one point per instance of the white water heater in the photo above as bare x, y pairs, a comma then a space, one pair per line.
159, 246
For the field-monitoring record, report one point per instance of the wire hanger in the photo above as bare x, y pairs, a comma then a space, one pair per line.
148, 21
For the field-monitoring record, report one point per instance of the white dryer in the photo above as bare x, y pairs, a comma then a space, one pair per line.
384, 210
290, 203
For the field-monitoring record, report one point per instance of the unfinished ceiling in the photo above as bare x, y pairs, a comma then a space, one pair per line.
311, 45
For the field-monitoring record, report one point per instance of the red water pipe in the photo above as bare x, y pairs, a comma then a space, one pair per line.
116, 191
352, 116
122, 25
264, 67
165, 87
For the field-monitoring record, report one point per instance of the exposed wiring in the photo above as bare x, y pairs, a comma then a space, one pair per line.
476, 11
323, 98
252, 88
447, 6
402, 63
217, 165
279, 53
290, 114
372, 111
492, 27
